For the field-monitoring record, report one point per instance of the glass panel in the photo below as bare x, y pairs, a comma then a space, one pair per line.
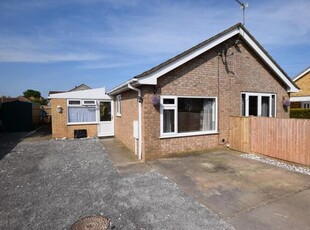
168, 121
273, 105
89, 102
195, 114
105, 111
189, 112
242, 104
168, 101
118, 104
207, 118
74, 102
81, 114
253, 101
265, 106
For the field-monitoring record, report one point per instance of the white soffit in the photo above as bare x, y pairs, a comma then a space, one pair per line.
304, 98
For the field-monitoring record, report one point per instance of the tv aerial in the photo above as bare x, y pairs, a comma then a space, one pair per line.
243, 6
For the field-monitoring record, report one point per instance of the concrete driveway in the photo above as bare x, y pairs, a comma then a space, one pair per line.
46, 184
246, 193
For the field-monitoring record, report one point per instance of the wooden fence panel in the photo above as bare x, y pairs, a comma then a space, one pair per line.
240, 134
285, 139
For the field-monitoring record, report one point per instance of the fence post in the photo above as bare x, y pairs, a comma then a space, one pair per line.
250, 134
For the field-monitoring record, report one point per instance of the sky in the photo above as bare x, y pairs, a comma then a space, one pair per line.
49, 45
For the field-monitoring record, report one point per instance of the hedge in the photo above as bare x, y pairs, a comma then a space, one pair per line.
300, 113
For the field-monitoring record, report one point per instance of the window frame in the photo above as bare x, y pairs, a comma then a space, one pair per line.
73, 100
272, 111
118, 105
305, 104
82, 105
86, 103
175, 108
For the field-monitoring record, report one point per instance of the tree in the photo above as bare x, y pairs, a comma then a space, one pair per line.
35, 96
32, 94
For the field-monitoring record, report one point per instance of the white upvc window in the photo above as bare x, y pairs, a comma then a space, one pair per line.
258, 104
89, 102
305, 104
118, 105
187, 116
81, 111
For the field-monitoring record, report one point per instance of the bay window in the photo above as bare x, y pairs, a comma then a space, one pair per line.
182, 116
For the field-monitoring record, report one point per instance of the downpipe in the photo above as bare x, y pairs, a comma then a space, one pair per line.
139, 119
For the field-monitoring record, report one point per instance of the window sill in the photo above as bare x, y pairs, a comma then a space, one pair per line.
188, 134
82, 123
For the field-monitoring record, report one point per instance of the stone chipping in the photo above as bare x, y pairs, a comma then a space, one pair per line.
290, 167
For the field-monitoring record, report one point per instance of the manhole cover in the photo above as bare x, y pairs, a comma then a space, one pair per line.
92, 223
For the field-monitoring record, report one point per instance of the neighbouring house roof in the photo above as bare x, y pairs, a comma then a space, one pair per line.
10, 99
98, 93
302, 73
80, 87
53, 92
150, 76
76, 88
302, 80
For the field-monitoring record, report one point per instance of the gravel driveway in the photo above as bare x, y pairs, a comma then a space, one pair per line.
51, 184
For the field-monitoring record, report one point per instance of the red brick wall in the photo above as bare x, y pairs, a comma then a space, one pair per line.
124, 123
206, 75
60, 128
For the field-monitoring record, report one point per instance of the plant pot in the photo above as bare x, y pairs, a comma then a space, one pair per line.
156, 100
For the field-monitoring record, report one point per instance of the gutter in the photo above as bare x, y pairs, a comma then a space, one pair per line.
139, 116
120, 88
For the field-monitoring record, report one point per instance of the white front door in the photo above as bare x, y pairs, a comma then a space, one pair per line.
106, 115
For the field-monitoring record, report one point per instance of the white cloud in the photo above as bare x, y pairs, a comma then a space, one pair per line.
281, 22
41, 50
103, 64
159, 28
166, 30
39, 57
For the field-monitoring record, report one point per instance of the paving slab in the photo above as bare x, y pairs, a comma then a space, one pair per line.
291, 212
125, 161
231, 185
47, 184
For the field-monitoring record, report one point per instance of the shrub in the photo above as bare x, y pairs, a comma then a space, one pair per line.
300, 113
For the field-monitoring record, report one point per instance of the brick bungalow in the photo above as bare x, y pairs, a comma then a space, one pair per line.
184, 104
302, 98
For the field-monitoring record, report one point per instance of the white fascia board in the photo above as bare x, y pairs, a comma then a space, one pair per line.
302, 74
83, 94
121, 88
291, 87
151, 79
304, 98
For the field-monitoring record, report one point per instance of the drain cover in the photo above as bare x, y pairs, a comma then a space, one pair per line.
92, 223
